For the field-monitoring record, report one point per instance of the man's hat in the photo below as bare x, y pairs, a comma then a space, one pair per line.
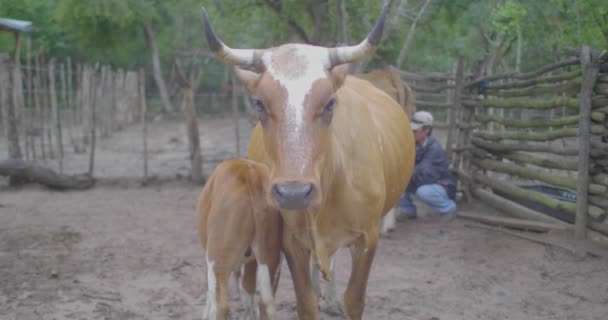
421, 119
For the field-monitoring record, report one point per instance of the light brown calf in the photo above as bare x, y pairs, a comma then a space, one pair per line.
237, 227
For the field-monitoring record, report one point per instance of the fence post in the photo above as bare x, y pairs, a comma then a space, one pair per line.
143, 113
455, 109
590, 68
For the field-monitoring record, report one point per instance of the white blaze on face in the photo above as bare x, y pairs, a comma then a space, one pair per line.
296, 67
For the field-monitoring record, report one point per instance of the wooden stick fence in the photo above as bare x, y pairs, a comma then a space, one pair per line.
549, 127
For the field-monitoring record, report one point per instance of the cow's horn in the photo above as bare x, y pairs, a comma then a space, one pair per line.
241, 57
341, 55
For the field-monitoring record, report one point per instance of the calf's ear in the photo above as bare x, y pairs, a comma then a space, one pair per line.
248, 78
338, 73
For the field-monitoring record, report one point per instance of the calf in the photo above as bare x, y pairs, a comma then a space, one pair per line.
238, 227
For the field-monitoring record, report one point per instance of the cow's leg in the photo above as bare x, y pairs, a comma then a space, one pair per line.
248, 283
298, 261
362, 257
388, 222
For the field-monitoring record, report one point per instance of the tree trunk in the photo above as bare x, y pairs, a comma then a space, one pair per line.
188, 87
143, 112
16, 105
410, 35
342, 21
158, 75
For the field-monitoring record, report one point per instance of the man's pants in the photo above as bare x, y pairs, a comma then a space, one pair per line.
433, 195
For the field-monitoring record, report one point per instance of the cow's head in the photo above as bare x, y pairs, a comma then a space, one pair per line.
294, 88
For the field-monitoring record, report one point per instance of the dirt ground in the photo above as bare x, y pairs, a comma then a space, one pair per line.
123, 251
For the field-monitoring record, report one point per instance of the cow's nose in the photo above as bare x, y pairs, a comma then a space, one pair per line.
293, 195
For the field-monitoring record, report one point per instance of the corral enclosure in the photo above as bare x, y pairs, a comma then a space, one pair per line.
65, 256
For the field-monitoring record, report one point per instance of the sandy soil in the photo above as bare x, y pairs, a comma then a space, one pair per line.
122, 251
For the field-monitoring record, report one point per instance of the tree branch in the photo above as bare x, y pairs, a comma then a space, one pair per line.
292, 24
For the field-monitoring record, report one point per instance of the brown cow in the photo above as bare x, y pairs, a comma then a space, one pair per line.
340, 153
390, 82
237, 226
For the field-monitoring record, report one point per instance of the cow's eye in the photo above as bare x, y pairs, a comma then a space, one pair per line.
259, 106
329, 107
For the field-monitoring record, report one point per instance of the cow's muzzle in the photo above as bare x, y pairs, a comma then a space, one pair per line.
293, 195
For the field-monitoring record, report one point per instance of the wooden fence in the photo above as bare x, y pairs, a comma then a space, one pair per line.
520, 137
48, 107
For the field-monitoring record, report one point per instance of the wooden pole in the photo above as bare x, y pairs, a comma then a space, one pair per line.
590, 68
92, 106
142, 105
30, 151
455, 110
56, 113
14, 149
48, 110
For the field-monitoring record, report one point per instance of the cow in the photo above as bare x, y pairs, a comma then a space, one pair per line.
340, 153
238, 227
390, 82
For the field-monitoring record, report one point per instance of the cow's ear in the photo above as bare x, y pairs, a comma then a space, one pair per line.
248, 78
338, 74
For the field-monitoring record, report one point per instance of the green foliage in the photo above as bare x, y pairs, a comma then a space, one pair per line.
111, 31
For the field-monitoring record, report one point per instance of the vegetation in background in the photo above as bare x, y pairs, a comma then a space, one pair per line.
516, 34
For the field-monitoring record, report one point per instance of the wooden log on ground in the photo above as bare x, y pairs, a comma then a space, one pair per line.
535, 174
537, 197
45, 176
535, 123
513, 223
514, 209
509, 147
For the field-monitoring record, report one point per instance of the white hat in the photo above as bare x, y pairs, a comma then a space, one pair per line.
421, 119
